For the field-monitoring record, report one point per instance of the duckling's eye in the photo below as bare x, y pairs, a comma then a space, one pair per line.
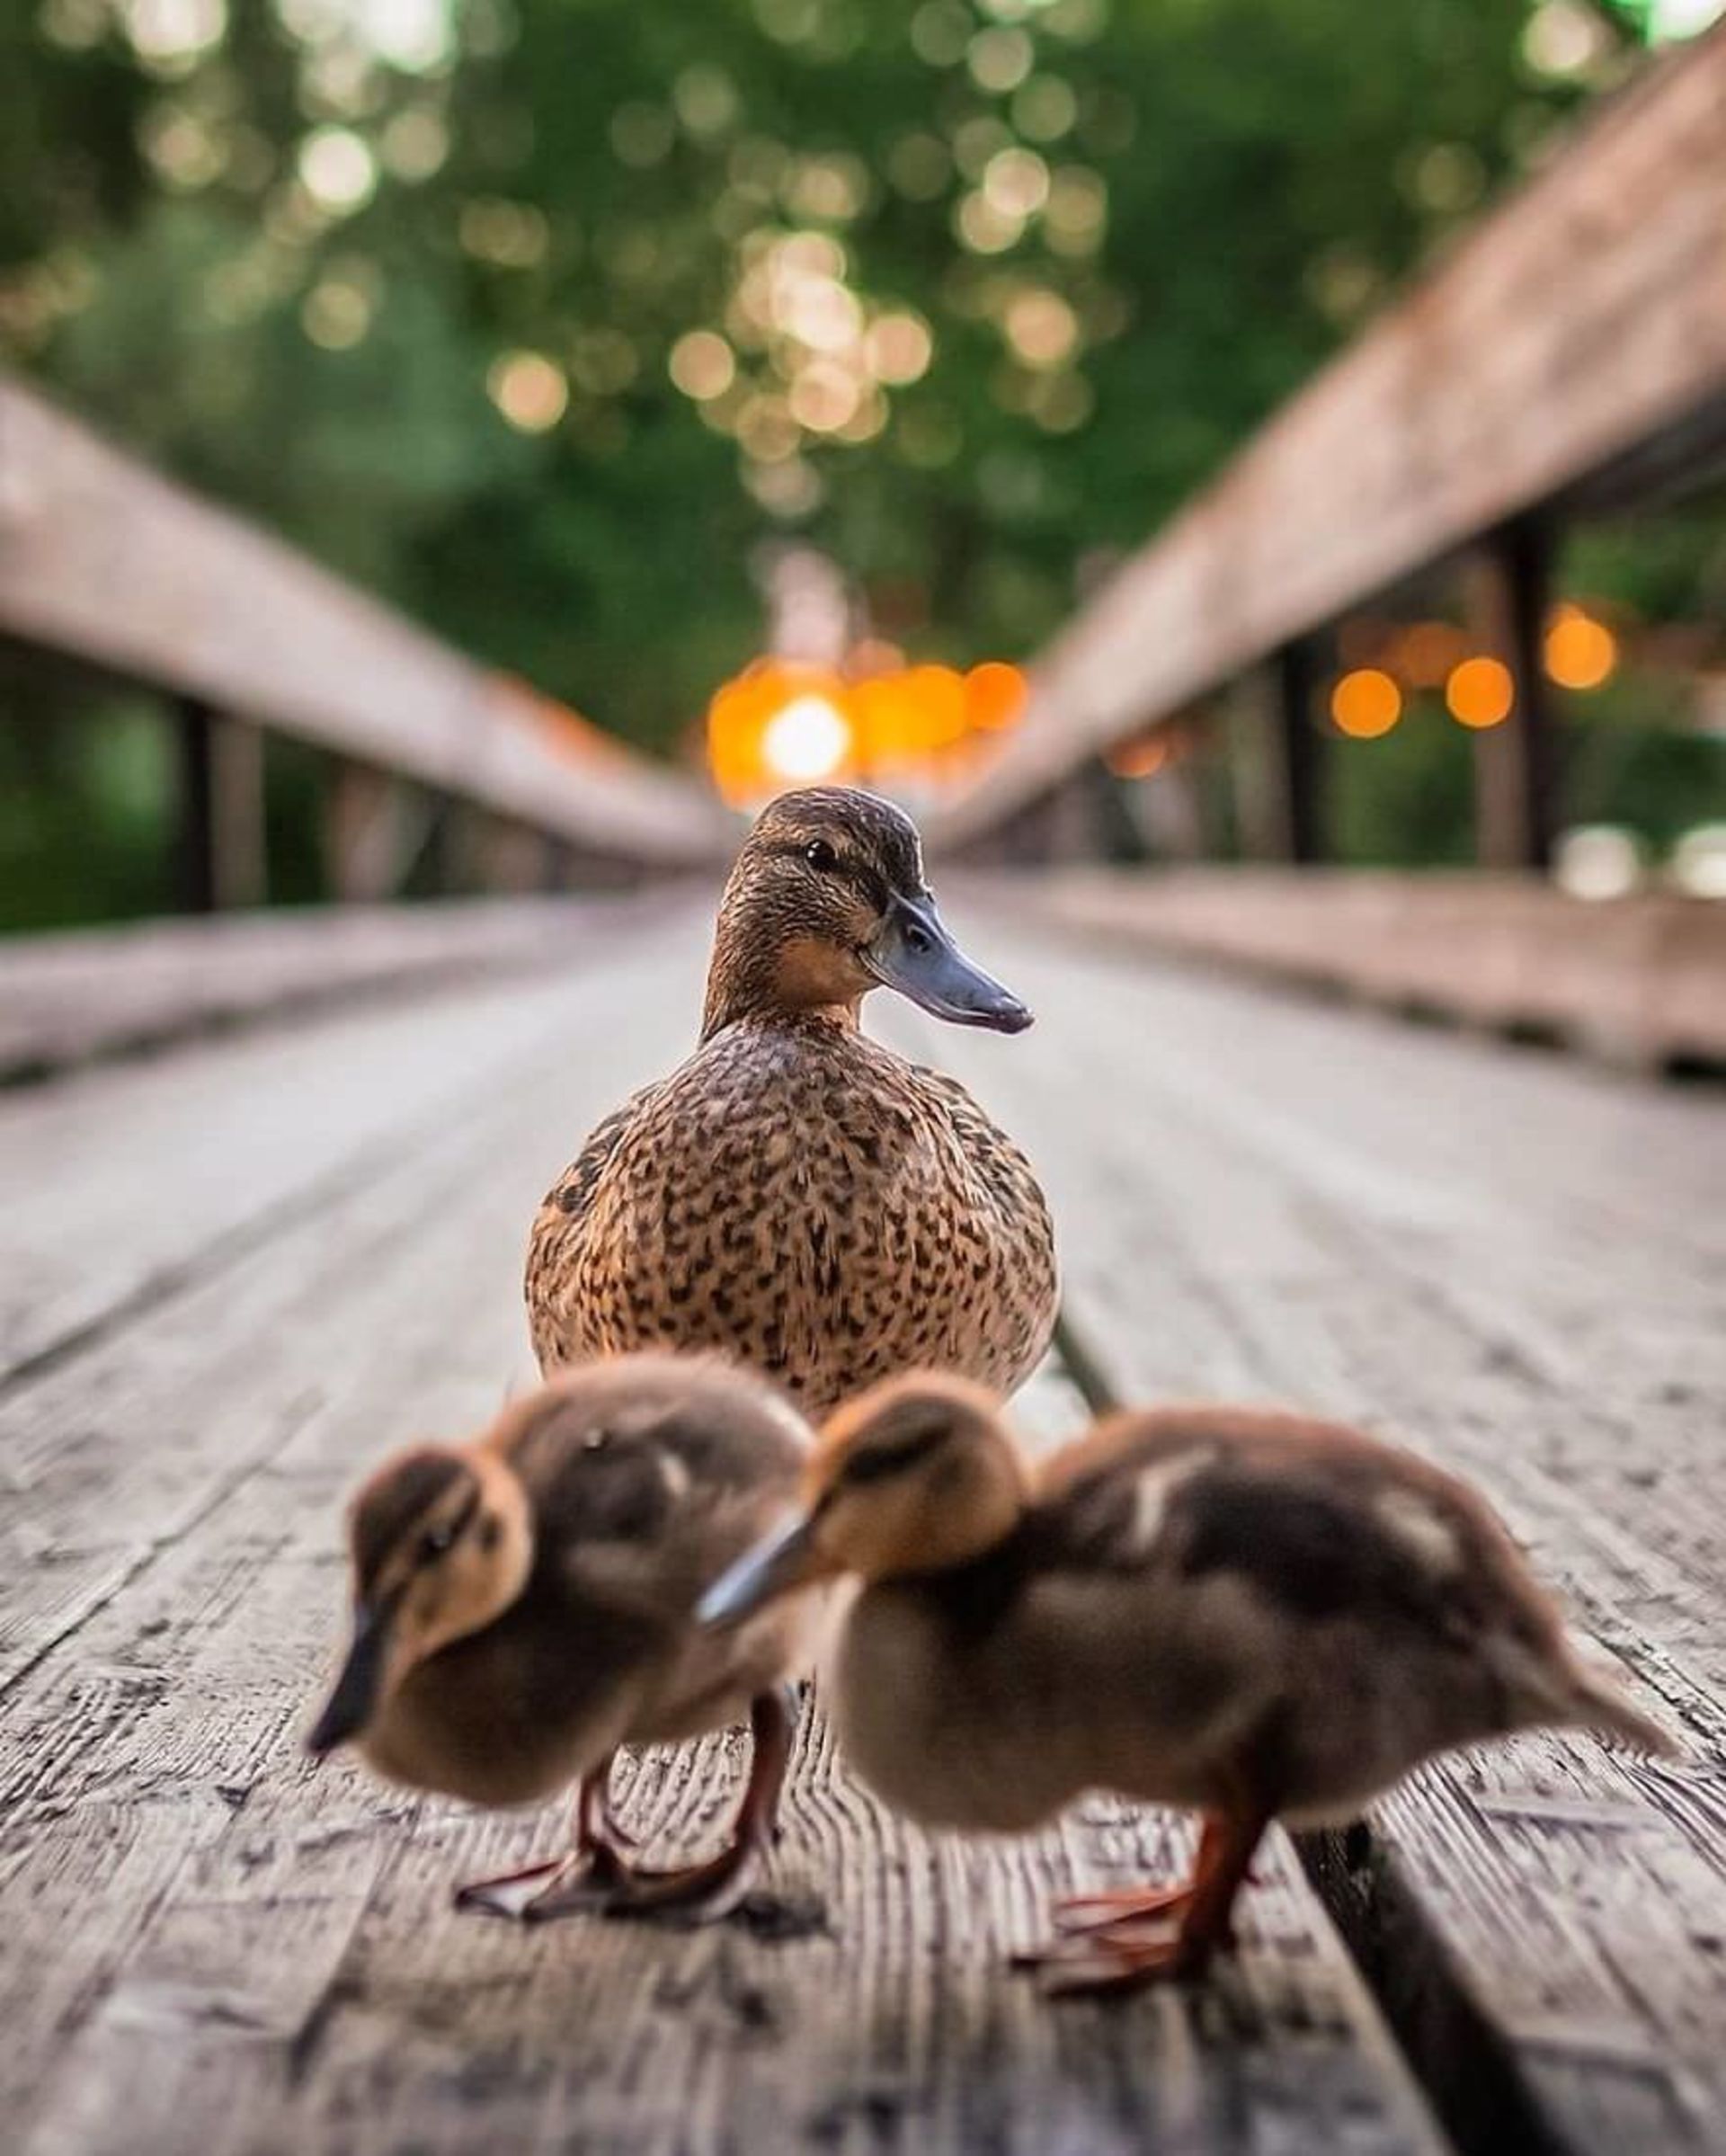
820, 855
435, 1542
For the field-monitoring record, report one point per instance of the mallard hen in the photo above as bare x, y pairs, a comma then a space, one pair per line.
796, 1194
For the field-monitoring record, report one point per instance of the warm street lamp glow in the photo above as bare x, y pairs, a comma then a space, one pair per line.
1366, 703
807, 740
994, 695
1580, 652
1140, 758
787, 722
1481, 692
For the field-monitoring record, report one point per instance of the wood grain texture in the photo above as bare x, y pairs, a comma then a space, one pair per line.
205, 1943
1518, 1266
101, 558
126, 1183
1640, 981
90, 994
1584, 316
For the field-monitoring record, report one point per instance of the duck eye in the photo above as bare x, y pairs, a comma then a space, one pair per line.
435, 1542
820, 855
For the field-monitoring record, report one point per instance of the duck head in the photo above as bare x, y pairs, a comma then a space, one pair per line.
915, 1475
827, 901
440, 1544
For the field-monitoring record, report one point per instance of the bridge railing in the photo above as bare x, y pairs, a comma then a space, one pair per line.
1570, 353
104, 561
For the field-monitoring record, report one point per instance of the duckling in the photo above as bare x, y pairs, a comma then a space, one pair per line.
1250, 1614
522, 1608
795, 1193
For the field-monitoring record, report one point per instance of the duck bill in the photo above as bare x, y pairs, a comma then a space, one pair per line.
779, 1564
354, 1698
912, 952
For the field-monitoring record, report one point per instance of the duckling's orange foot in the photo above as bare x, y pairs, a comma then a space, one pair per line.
580, 1879
1129, 1906
695, 1893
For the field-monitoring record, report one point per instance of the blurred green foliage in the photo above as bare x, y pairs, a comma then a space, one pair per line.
405, 278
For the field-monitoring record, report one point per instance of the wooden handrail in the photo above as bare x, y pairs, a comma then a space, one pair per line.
106, 560
1582, 320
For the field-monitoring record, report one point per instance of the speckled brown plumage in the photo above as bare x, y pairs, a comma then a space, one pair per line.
795, 1193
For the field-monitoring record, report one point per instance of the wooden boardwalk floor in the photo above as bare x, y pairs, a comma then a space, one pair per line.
233, 1275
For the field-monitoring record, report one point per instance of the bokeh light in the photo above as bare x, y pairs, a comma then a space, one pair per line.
337, 169
702, 365
1580, 652
1427, 651
784, 722
809, 739
1366, 703
529, 390
1140, 758
995, 696
898, 349
1481, 692
1041, 327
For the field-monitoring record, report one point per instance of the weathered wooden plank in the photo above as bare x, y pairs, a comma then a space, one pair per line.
1581, 317
1516, 1266
101, 558
1637, 980
251, 1955
119, 1180
88, 994
176, 1492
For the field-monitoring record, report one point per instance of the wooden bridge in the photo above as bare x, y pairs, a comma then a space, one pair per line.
267, 1183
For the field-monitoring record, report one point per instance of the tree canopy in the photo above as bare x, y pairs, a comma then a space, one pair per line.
541, 316
565, 305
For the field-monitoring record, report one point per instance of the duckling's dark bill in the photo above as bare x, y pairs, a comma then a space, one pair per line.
784, 1560
913, 953
348, 1706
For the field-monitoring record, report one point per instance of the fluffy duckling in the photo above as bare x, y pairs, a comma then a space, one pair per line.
522, 1608
1250, 1614
795, 1194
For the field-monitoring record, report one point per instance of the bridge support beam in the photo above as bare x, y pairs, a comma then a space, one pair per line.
223, 851
1295, 819
1515, 793
371, 833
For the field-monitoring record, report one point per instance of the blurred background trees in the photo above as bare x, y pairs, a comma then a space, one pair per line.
539, 317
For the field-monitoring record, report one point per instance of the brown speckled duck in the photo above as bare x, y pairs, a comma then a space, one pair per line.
1248, 1613
523, 1606
796, 1194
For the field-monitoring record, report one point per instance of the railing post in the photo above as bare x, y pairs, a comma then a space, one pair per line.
1516, 798
1294, 820
363, 833
222, 842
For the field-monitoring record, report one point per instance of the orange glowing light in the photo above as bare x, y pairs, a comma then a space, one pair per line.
1366, 703
806, 739
785, 723
874, 656
938, 693
995, 695
1481, 692
1138, 759
1580, 652
1426, 652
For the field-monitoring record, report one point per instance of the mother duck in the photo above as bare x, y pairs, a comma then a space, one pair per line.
795, 1193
